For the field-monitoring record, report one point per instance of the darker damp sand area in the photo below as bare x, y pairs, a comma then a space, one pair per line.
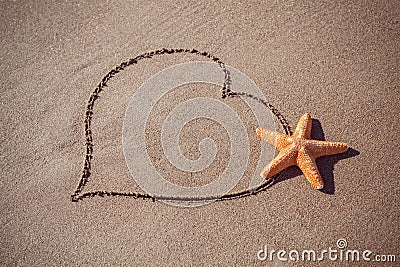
338, 62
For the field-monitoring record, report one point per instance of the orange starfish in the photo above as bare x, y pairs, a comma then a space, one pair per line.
298, 149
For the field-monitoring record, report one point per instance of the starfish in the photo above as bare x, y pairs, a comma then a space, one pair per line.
298, 149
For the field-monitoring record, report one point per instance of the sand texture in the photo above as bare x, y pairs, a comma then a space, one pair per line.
338, 61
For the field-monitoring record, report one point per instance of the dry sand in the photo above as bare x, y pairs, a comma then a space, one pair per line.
338, 61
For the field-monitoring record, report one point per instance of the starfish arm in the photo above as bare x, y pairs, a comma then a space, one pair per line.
283, 160
279, 140
309, 168
324, 148
304, 126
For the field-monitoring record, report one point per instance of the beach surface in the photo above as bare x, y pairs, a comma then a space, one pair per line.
337, 61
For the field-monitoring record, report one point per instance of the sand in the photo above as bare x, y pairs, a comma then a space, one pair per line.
339, 62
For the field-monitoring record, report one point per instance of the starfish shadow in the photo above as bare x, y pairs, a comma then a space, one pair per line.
325, 164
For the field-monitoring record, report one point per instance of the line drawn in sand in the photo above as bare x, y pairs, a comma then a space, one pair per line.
177, 197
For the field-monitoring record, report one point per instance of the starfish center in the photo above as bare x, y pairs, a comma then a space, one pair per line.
299, 142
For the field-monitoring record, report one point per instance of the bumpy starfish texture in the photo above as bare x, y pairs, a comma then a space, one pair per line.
298, 149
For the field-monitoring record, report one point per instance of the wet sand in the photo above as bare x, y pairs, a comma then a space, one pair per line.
338, 62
